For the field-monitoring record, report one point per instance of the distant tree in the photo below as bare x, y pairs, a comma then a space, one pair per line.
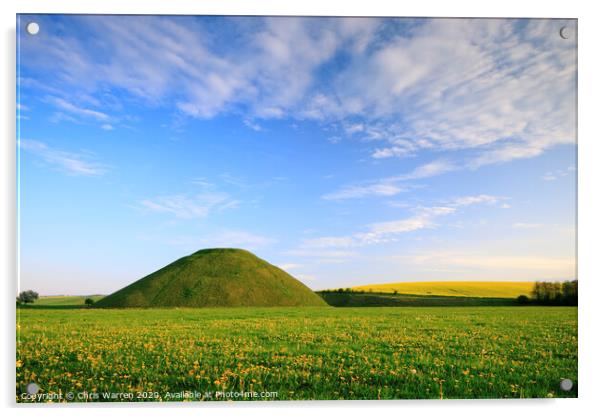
27, 296
394, 292
89, 301
555, 293
522, 299
348, 289
569, 293
340, 290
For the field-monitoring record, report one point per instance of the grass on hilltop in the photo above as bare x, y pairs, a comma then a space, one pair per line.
215, 277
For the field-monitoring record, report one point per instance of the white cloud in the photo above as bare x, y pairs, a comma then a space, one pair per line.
477, 199
387, 152
479, 84
69, 162
383, 188
558, 173
107, 127
505, 89
84, 112
268, 71
387, 231
428, 170
190, 207
390, 186
253, 126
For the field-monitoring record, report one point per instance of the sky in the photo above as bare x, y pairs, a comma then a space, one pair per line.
347, 151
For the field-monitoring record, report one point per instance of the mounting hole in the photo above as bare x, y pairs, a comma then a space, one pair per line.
32, 388
566, 384
565, 32
33, 28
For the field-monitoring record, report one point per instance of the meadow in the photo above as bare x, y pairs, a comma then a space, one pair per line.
65, 300
298, 353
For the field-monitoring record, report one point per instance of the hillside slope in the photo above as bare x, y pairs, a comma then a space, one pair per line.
214, 278
461, 288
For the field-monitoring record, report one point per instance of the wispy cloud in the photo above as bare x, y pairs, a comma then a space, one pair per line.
559, 173
388, 231
503, 89
476, 199
507, 93
392, 185
80, 111
434, 168
382, 188
190, 207
72, 163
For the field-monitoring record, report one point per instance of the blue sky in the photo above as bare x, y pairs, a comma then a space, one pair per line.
346, 151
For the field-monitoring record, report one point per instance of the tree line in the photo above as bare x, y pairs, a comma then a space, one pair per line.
553, 293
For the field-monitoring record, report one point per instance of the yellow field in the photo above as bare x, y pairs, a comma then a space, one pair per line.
470, 289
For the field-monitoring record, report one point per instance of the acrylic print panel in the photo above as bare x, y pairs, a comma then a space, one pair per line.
295, 208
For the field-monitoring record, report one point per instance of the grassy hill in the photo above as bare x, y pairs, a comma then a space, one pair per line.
65, 300
465, 288
212, 278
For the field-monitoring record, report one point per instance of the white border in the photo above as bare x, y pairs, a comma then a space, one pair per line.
589, 173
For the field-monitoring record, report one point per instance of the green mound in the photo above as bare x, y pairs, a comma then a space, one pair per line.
214, 278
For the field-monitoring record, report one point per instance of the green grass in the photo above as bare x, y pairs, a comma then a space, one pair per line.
460, 288
302, 353
65, 300
354, 299
215, 278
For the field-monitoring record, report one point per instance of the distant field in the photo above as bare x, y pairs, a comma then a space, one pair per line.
298, 353
470, 289
356, 299
65, 300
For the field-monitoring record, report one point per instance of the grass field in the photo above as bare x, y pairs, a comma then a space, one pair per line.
299, 353
464, 288
65, 300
